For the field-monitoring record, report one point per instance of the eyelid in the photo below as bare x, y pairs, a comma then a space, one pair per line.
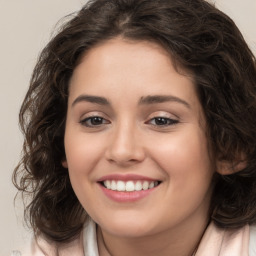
93, 114
164, 116
90, 116
170, 121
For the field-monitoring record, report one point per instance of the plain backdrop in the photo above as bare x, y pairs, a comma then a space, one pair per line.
25, 27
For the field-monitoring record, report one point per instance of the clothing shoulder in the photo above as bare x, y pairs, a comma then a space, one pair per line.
90, 238
43, 247
226, 242
252, 246
86, 244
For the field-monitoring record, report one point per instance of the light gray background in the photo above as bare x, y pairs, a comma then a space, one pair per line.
25, 27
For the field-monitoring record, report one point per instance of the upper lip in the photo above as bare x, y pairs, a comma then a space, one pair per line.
126, 177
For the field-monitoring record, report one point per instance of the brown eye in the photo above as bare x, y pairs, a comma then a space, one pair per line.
94, 121
162, 121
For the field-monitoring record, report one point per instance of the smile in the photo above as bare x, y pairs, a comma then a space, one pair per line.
129, 186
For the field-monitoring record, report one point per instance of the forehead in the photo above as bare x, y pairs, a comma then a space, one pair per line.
124, 72
121, 52
120, 58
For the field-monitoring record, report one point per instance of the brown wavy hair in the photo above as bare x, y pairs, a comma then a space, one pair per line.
200, 39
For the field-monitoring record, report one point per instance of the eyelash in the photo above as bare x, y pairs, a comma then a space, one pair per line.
163, 121
157, 121
88, 121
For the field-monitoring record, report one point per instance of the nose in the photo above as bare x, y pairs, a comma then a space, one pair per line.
125, 146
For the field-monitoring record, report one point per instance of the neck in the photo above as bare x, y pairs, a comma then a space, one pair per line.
182, 240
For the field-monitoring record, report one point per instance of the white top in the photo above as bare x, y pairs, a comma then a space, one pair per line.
90, 239
252, 246
91, 247
215, 242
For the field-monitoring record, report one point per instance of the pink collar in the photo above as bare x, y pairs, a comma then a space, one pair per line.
215, 242
224, 242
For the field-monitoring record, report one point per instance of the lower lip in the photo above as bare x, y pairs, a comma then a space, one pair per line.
123, 197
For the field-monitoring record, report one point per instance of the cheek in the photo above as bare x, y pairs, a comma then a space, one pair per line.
82, 152
82, 155
185, 159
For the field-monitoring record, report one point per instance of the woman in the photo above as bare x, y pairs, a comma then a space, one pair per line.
139, 129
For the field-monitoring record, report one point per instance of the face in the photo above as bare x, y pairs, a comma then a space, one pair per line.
135, 142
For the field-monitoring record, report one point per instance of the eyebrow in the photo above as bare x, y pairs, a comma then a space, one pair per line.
151, 99
154, 99
92, 99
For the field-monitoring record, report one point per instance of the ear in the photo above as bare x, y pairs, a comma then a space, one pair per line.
225, 167
64, 163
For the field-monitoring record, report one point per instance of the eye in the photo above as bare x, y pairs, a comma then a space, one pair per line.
162, 121
94, 121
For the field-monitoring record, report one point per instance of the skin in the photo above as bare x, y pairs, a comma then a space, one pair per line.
128, 140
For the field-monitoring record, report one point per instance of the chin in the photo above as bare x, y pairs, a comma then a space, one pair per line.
128, 227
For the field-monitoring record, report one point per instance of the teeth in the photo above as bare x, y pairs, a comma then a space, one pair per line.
152, 184
138, 186
129, 186
120, 186
113, 185
145, 185
107, 184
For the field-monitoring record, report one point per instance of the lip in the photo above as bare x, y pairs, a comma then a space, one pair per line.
122, 197
127, 177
